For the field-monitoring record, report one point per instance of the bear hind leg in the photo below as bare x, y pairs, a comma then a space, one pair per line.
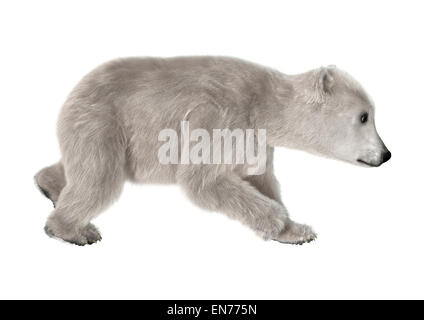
92, 184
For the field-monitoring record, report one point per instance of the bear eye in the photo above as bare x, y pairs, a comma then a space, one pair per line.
364, 117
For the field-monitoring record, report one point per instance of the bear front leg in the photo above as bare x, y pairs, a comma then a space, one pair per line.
293, 233
236, 198
268, 185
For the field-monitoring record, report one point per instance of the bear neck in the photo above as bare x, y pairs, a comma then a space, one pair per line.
285, 104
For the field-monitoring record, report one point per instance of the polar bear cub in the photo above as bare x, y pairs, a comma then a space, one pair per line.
110, 127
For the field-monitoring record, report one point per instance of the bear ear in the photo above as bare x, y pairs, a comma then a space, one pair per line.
326, 80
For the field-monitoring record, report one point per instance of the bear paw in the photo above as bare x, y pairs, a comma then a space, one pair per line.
91, 233
79, 237
296, 233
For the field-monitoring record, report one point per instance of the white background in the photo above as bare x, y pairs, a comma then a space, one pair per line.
156, 244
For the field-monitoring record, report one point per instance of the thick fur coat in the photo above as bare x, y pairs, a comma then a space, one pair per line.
108, 132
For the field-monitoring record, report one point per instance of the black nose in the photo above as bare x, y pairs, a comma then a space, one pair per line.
386, 156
